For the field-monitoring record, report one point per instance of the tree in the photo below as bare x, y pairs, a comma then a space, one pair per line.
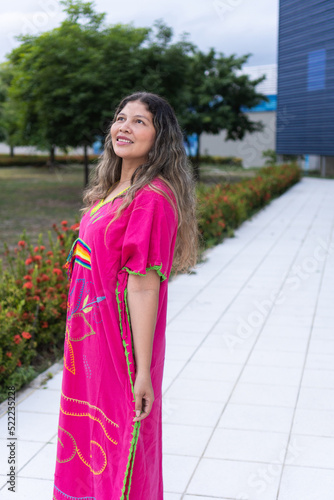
69, 79
10, 115
217, 97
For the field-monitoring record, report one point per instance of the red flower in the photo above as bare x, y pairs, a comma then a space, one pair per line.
27, 285
63, 305
10, 314
36, 249
49, 253
45, 277
22, 243
75, 226
64, 223
19, 363
26, 335
45, 324
9, 354
38, 257
48, 261
27, 277
25, 315
42, 247
17, 339
42, 307
36, 297
28, 261
56, 271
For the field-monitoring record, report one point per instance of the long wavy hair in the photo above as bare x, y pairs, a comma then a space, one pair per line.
166, 160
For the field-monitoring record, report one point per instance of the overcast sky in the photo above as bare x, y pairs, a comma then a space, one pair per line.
230, 26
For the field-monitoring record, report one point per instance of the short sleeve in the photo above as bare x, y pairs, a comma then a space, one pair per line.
150, 234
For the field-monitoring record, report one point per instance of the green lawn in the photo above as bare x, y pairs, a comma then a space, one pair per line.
33, 198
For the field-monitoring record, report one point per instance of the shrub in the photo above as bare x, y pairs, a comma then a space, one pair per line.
34, 287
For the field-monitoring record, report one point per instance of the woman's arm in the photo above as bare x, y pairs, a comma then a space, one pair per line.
143, 301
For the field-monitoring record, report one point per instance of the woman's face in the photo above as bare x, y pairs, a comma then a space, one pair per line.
133, 133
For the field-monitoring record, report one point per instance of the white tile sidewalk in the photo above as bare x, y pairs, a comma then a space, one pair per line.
249, 377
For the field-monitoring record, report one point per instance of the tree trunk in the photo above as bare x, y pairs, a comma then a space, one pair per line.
11, 151
86, 164
197, 159
52, 155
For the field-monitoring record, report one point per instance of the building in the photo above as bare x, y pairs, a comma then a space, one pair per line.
250, 148
305, 97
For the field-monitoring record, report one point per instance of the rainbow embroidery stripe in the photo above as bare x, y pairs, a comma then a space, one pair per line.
82, 254
79, 253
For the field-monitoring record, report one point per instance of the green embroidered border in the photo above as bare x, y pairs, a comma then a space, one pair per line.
157, 268
136, 425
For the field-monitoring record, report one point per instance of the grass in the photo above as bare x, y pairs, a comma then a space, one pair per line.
33, 198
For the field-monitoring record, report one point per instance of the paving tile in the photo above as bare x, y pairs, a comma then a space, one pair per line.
187, 440
172, 496
41, 401
247, 445
28, 489
321, 399
314, 451
279, 343
220, 355
318, 378
314, 422
54, 382
236, 479
186, 412
306, 483
203, 370
320, 361
323, 333
252, 417
272, 358
265, 394
24, 451
273, 375
181, 352
177, 471
179, 338
41, 466
200, 390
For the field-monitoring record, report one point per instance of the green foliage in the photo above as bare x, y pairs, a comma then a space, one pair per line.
219, 160
222, 208
41, 160
270, 156
65, 83
33, 302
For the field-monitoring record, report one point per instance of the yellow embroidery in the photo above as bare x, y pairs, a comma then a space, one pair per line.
88, 464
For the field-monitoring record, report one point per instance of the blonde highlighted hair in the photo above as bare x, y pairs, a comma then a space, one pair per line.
166, 160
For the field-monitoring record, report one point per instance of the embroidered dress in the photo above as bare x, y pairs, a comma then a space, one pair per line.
101, 453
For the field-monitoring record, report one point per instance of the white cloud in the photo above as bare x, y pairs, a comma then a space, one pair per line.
240, 26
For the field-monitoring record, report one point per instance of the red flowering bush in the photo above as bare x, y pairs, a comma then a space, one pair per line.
33, 290
222, 208
34, 286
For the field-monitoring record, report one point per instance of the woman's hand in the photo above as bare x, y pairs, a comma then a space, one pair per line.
144, 396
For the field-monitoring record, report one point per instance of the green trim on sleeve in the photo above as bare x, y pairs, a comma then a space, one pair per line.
157, 268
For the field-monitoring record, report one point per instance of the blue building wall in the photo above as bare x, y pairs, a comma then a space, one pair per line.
305, 93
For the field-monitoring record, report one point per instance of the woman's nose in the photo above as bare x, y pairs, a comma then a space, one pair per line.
124, 126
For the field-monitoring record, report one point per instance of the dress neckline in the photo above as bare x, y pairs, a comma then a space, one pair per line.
104, 202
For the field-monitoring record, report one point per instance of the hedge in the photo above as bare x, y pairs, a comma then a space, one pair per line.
42, 160
34, 286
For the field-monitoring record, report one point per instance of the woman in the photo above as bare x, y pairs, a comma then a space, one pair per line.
139, 222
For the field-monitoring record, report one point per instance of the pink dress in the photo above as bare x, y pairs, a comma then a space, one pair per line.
101, 453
